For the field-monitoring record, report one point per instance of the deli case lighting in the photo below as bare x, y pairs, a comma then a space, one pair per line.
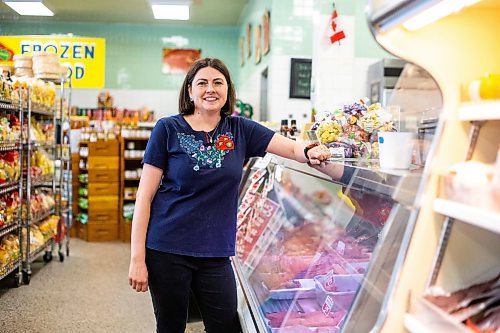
436, 12
412, 15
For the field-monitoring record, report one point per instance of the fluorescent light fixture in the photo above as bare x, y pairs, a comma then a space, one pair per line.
31, 7
441, 9
170, 12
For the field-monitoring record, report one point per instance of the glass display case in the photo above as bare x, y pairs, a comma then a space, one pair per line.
318, 248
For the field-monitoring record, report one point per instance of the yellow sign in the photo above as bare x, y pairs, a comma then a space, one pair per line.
83, 56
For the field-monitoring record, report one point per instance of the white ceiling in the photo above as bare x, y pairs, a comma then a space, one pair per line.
202, 12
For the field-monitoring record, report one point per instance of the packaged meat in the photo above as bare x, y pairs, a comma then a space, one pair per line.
453, 301
295, 289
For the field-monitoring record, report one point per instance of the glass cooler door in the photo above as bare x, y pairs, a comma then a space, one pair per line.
306, 243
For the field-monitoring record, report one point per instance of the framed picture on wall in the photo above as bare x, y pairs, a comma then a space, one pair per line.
242, 51
249, 40
258, 54
178, 61
300, 78
265, 32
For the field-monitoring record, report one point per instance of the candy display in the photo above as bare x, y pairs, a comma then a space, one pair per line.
41, 202
40, 234
9, 207
5, 87
10, 128
42, 93
10, 169
42, 165
351, 130
40, 132
9, 251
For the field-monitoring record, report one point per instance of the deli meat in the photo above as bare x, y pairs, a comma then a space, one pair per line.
453, 301
296, 329
309, 319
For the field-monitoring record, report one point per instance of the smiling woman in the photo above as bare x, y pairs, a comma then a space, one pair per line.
184, 225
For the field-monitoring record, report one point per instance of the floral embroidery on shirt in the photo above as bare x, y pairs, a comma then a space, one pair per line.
211, 155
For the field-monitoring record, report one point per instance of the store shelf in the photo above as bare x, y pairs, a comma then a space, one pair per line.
414, 326
9, 268
35, 254
9, 145
6, 105
9, 187
366, 175
8, 228
35, 145
147, 124
42, 216
129, 199
133, 158
426, 317
485, 110
40, 112
130, 138
473, 215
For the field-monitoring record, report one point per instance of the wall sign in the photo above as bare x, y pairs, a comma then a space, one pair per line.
300, 78
265, 32
258, 51
178, 61
85, 57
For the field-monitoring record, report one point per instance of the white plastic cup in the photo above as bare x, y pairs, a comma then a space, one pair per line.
395, 149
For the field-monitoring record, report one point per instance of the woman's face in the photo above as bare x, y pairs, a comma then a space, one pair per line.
208, 90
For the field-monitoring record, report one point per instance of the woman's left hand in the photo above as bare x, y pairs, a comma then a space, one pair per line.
318, 154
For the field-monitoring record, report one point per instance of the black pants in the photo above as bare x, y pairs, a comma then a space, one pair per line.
172, 277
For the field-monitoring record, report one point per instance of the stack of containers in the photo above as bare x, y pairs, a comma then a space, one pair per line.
23, 65
46, 66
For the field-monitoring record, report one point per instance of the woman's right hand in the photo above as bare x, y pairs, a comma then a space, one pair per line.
138, 276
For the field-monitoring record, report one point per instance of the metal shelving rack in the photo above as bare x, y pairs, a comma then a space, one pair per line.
7, 107
64, 186
29, 146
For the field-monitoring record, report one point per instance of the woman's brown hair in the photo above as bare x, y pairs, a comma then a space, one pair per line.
186, 106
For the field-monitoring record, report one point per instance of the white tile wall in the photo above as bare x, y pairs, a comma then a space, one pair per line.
339, 77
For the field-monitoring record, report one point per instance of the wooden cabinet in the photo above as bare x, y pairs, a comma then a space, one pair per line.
132, 153
102, 166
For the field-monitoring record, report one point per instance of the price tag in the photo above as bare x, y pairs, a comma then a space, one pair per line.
262, 163
341, 248
278, 173
327, 306
337, 152
329, 280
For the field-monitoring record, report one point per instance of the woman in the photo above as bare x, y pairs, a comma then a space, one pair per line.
184, 225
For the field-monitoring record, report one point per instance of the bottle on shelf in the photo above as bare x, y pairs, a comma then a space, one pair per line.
284, 127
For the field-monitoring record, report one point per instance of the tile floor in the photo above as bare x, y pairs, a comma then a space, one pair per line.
88, 292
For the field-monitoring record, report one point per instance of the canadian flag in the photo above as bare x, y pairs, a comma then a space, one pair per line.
334, 33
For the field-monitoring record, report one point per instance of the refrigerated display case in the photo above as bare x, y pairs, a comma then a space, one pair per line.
318, 249
454, 244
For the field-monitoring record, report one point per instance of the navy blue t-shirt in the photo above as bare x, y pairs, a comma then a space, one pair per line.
194, 210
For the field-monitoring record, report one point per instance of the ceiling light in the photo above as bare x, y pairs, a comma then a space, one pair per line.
29, 7
436, 12
171, 12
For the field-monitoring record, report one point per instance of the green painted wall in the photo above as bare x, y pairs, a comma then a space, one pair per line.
134, 51
290, 31
252, 14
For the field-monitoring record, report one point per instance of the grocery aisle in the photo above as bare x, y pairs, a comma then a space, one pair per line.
89, 292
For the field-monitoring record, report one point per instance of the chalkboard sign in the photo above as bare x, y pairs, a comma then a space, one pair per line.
300, 78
